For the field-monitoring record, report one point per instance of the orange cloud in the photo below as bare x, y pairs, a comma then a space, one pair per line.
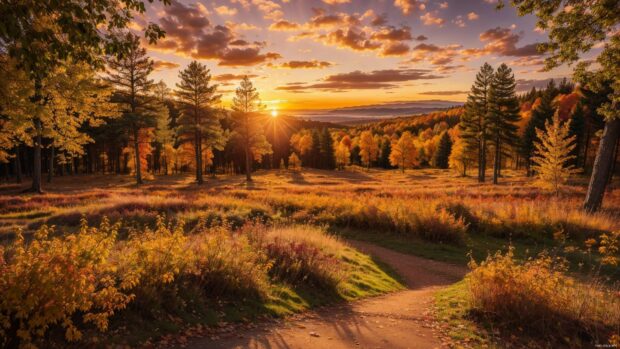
314, 64
164, 65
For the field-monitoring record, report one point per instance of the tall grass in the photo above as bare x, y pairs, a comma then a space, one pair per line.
538, 299
65, 283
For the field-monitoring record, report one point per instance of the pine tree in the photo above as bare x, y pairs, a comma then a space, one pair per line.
327, 150
475, 121
539, 116
246, 118
404, 154
386, 149
199, 117
553, 154
577, 129
504, 114
442, 154
369, 149
130, 74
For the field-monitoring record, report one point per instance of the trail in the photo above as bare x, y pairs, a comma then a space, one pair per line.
397, 320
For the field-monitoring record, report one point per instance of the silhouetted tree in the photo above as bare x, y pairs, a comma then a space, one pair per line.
442, 154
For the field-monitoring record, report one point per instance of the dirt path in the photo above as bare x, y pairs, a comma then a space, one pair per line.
398, 320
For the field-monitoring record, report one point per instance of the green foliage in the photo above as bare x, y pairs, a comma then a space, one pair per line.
199, 118
475, 123
442, 154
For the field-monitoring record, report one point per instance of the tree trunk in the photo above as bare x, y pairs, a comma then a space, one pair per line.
136, 148
198, 152
248, 164
613, 163
483, 161
602, 166
36, 170
50, 169
18, 164
496, 161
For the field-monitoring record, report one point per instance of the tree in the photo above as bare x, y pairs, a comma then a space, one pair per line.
442, 154
553, 154
43, 35
343, 154
199, 117
248, 130
503, 114
369, 149
574, 28
577, 129
315, 149
386, 150
164, 132
294, 164
404, 154
538, 118
475, 121
460, 157
130, 74
327, 150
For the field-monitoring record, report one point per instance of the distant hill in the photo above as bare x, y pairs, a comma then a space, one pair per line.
365, 113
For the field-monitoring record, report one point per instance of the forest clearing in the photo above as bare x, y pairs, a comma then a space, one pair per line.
309, 174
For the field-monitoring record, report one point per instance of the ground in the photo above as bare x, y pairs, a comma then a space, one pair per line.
435, 220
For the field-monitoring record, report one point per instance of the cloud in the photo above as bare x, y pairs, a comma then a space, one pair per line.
410, 6
350, 38
270, 9
431, 19
503, 42
313, 64
527, 84
421, 38
164, 65
189, 33
335, 2
390, 33
444, 5
396, 49
358, 80
284, 25
232, 77
225, 10
436, 55
472, 16
444, 93
459, 21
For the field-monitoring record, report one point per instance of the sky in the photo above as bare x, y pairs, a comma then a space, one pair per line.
320, 54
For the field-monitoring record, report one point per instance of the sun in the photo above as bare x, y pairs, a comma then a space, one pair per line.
274, 113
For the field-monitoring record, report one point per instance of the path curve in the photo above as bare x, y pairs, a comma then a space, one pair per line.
397, 320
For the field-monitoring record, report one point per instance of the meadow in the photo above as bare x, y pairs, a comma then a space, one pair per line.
277, 246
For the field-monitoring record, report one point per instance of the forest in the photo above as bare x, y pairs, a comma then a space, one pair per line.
178, 212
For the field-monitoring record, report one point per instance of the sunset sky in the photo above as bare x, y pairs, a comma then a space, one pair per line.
310, 54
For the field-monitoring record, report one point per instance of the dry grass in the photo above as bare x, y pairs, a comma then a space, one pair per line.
537, 300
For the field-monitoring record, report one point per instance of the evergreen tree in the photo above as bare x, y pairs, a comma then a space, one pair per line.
315, 149
355, 155
442, 154
577, 130
327, 150
248, 130
199, 118
386, 149
537, 120
504, 114
553, 154
130, 74
475, 121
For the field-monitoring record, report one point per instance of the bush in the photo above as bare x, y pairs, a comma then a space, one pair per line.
304, 255
538, 297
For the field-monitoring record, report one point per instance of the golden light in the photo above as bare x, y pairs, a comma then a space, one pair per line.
274, 113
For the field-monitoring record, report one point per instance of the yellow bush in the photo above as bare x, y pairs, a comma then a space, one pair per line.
538, 297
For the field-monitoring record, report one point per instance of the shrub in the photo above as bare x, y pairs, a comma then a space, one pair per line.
304, 255
50, 280
538, 297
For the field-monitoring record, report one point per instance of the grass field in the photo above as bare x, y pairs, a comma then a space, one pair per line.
430, 213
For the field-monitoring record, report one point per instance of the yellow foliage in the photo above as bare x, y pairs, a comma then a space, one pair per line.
404, 154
